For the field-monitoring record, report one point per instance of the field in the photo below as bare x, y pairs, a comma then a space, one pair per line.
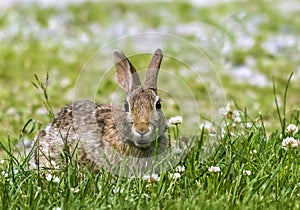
231, 70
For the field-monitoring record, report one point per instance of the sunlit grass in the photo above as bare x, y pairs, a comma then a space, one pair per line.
248, 169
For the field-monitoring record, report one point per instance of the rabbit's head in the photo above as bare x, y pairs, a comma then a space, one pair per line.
143, 121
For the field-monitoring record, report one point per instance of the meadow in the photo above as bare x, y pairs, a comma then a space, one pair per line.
238, 62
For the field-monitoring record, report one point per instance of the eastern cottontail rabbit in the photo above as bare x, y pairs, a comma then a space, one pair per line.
102, 135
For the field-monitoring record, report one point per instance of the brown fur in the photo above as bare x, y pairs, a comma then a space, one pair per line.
104, 135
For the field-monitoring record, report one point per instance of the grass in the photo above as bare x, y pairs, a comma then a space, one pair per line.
256, 171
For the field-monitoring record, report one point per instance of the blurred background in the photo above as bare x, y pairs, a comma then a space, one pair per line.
215, 52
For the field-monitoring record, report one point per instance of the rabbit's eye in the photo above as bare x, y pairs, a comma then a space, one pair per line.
158, 105
126, 106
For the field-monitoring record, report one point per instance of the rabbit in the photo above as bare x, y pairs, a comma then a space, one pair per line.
105, 135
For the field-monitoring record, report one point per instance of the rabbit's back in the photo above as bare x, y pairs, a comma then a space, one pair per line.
60, 139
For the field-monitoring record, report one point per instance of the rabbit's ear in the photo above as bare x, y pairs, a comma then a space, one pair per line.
126, 74
152, 72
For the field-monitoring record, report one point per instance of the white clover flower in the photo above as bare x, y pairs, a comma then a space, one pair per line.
5, 174
15, 170
225, 110
214, 169
180, 169
145, 195
223, 132
74, 190
56, 179
249, 125
206, 125
49, 164
118, 190
237, 116
2, 161
151, 178
246, 172
52, 164
230, 114
49, 177
289, 142
266, 138
209, 127
56, 208
175, 120
292, 129
253, 152
175, 175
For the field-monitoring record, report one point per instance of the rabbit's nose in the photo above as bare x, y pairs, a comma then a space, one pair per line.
142, 129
